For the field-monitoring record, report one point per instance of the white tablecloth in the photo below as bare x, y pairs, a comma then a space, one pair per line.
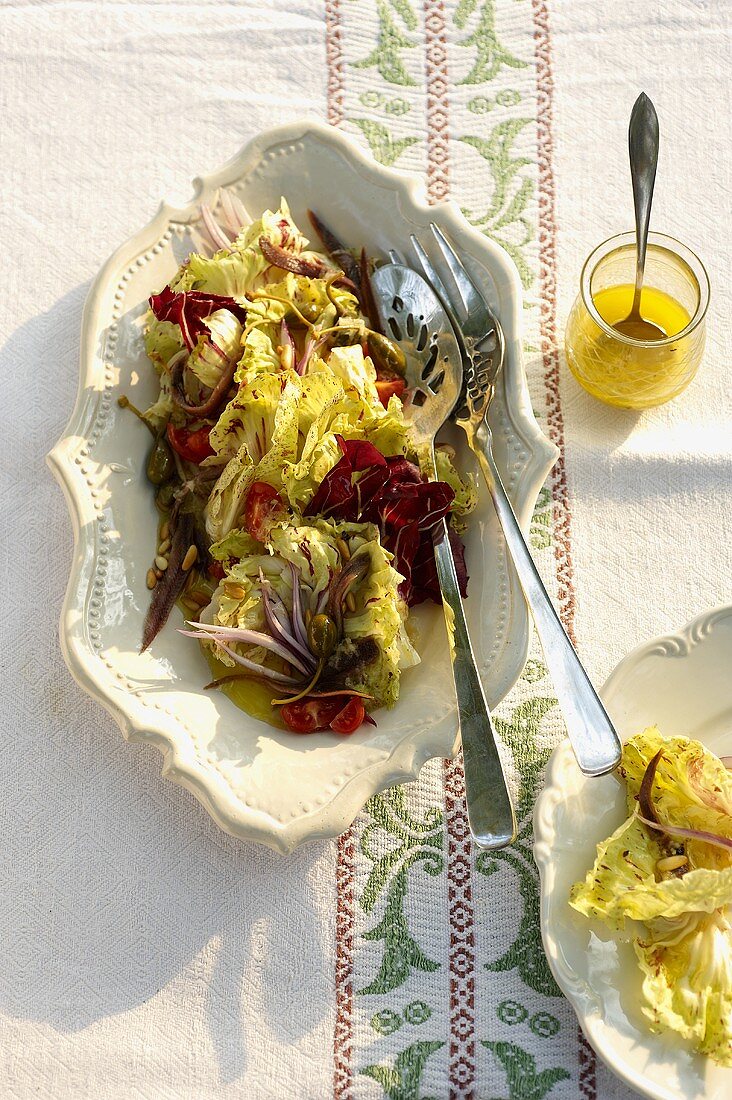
145, 954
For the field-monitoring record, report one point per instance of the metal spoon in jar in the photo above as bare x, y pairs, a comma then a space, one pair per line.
643, 149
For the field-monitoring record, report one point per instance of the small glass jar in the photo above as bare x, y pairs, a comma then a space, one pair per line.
617, 369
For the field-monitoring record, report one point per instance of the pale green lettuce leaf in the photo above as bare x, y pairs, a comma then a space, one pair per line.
163, 340
381, 615
237, 544
685, 952
687, 984
228, 495
356, 370
205, 361
691, 788
466, 494
259, 354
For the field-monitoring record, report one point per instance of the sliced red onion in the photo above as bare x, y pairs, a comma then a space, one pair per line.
239, 210
298, 620
307, 351
322, 601
227, 209
692, 834
280, 633
213, 228
213, 632
260, 670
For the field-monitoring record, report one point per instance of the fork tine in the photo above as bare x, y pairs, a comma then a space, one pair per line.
394, 256
470, 296
431, 276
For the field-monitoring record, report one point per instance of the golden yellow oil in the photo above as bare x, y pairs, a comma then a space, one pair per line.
251, 695
622, 374
614, 304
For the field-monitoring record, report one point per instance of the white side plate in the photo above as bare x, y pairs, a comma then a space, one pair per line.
681, 683
258, 782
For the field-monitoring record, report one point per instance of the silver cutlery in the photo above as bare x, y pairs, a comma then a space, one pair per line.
594, 740
411, 314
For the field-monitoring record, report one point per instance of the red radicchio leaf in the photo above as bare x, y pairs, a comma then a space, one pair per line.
392, 494
288, 261
189, 309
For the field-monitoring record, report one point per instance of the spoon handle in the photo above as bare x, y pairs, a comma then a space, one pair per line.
488, 801
643, 150
595, 743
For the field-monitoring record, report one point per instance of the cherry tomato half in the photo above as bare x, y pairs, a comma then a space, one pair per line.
192, 446
263, 508
311, 714
350, 717
385, 387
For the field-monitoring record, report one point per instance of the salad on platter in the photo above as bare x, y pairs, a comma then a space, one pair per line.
669, 868
295, 527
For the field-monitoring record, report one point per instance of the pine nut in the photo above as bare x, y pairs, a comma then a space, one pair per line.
287, 357
671, 863
191, 555
161, 563
164, 546
343, 550
190, 604
151, 578
164, 531
158, 573
350, 601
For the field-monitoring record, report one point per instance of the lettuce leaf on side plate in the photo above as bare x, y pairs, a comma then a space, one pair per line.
678, 886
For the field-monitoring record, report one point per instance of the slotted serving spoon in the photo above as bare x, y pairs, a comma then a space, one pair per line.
411, 314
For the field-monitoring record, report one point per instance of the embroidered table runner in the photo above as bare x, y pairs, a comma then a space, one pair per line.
146, 954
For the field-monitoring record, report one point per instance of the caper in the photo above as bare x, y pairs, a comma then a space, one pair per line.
386, 354
160, 463
310, 311
322, 635
164, 497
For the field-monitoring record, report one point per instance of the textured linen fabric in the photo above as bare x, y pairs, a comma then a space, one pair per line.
144, 953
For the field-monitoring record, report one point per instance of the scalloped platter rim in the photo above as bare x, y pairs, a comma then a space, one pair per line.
680, 682
226, 758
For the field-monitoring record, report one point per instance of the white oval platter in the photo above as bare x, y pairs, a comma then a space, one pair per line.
681, 683
257, 782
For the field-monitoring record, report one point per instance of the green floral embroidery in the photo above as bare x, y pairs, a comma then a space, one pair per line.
511, 1012
541, 522
524, 1083
533, 672
481, 104
417, 1012
490, 55
403, 841
402, 1080
526, 953
404, 9
386, 1022
511, 192
544, 1025
386, 55
386, 149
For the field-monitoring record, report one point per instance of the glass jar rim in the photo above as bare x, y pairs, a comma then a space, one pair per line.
660, 240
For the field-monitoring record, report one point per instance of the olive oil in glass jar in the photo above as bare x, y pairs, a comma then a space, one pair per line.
616, 368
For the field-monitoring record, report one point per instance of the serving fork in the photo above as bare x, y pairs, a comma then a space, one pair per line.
411, 313
482, 348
